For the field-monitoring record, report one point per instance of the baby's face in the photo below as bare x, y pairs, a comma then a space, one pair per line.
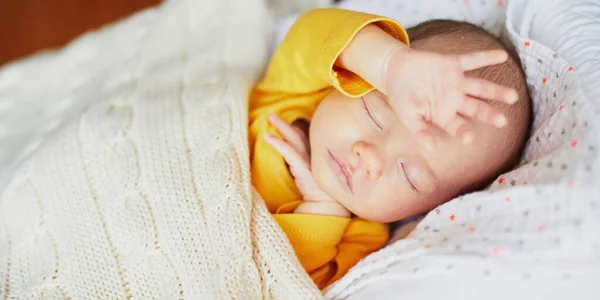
365, 158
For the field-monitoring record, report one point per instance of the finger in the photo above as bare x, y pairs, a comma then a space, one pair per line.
481, 59
484, 112
461, 128
448, 107
290, 155
420, 129
488, 90
287, 131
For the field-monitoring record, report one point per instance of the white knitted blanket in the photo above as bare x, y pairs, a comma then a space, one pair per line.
144, 191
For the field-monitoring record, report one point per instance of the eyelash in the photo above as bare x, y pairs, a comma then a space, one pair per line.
412, 186
371, 118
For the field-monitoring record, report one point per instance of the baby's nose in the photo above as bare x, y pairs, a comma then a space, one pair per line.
368, 159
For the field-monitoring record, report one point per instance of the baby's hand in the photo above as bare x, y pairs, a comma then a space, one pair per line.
427, 88
295, 149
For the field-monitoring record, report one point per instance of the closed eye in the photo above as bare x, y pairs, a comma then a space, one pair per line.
412, 186
371, 119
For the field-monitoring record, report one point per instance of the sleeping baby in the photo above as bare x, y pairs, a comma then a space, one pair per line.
351, 129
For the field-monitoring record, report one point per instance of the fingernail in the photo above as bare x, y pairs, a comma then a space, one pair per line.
467, 138
267, 136
500, 121
272, 116
513, 97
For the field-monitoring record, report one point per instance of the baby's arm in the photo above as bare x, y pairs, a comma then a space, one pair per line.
304, 63
368, 55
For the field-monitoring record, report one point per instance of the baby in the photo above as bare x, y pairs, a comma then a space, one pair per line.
374, 131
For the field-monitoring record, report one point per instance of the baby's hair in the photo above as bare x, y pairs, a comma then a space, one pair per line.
462, 37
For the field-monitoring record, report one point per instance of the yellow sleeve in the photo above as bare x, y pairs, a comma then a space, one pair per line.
304, 62
327, 246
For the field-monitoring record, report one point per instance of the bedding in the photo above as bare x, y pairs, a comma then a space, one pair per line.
142, 191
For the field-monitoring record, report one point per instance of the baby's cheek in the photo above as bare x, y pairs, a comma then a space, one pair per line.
385, 205
321, 175
399, 208
407, 204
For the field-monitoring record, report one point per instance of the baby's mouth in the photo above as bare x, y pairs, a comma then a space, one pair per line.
341, 170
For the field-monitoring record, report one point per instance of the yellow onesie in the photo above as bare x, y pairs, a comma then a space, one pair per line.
300, 75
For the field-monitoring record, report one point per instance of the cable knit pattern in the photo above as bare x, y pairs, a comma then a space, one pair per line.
147, 195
